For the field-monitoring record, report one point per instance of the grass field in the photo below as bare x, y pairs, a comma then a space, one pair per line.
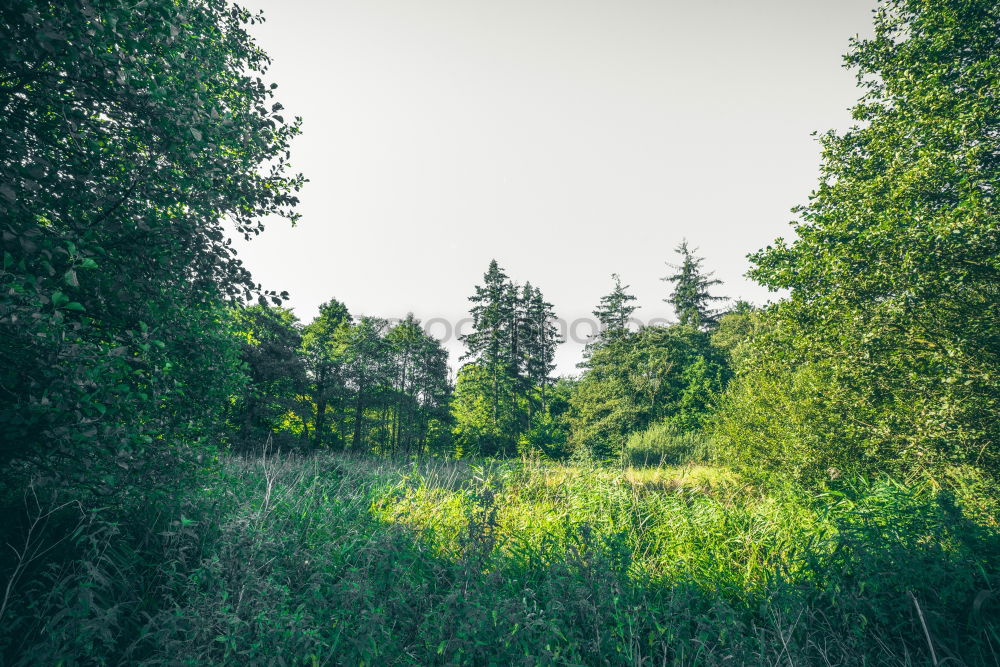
347, 560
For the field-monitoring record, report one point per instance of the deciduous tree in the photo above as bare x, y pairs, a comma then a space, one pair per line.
132, 135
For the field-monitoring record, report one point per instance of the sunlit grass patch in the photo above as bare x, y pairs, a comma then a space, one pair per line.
705, 478
437, 515
678, 523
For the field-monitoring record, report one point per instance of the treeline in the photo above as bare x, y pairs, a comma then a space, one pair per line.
635, 378
506, 401
336, 383
367, 386
371, 386
884, 358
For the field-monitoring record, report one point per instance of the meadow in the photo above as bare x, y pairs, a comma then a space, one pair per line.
351, 560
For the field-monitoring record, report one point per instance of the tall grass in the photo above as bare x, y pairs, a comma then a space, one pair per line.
664, 444
350, 560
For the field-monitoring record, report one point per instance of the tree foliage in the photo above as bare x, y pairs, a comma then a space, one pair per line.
324, 341
269, 338
658, 373
502, 388
887, 352
690, 296
131, 135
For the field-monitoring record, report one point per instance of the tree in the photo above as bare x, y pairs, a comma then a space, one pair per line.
540, 339
658, 373
269, 342
131, 135
509, 355
386, 387
690, 296
422, 390
324, 343
491, 346
366, 370
890, 333
735, 327
613, 314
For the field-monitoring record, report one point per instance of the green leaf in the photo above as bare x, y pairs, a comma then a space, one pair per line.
71, 279
75, 305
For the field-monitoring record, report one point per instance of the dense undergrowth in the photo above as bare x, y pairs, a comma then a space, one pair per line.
334, 559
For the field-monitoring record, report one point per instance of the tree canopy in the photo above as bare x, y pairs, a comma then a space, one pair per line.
132, 136
690, 295
893, 319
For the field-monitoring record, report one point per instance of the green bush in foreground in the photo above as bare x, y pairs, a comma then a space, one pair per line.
340, 560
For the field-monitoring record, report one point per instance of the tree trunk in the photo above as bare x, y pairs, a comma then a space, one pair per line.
358, 417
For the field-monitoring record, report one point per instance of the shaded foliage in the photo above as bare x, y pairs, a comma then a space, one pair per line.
276, 380
131, 135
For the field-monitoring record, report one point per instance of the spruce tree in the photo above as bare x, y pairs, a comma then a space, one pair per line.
509, 358
613, 313
690, 296
491, 346
540, 337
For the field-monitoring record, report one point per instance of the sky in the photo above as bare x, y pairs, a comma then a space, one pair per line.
567, 139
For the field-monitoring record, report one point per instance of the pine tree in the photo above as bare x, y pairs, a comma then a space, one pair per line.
613, 314
690, 297
492, 346
541, 339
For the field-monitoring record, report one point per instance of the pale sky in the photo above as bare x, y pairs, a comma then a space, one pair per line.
568, 139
